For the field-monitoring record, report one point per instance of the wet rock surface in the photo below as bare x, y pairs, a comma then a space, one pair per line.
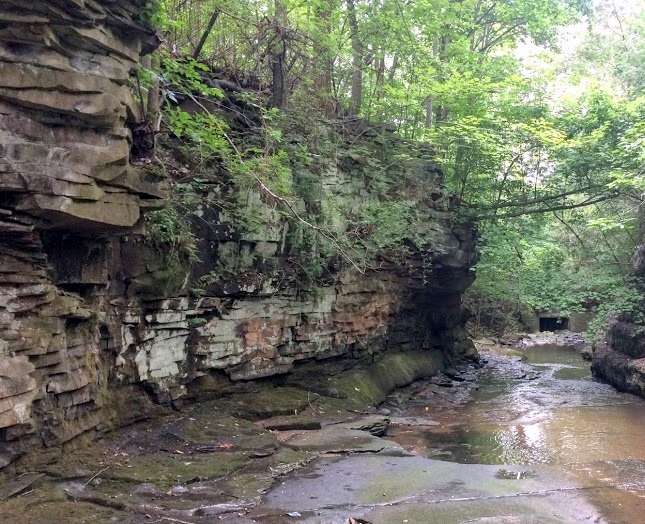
619, 360
527, 438
101, 322
204, 462
547, 338
219, 459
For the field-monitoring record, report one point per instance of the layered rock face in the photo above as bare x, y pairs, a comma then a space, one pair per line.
65, 118
65, 108
92, 326
259, 331
620, 358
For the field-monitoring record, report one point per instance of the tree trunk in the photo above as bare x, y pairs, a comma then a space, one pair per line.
380, 78
442, 111
207, 31
144, 134
323, 79
278, 53
357, 61
430, 99
395, 66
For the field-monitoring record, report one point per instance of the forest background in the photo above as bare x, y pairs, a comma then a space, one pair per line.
535, 112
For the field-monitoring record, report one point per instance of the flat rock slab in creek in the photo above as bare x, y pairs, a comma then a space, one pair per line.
334, 439
375, 424
11, 488
286, 423
413, 422
387, 489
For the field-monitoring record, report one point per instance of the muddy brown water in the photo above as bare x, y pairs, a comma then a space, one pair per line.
543, 409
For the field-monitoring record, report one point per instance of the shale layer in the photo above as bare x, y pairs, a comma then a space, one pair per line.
96, 332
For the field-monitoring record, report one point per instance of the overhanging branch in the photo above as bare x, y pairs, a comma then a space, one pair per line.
540, 200
589, 202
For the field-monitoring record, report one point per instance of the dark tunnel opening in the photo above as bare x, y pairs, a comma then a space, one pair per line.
553, 323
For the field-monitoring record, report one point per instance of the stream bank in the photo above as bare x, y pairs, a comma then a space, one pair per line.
522, 436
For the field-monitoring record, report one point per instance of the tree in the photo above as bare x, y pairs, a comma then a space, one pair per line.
357, 60
537, 170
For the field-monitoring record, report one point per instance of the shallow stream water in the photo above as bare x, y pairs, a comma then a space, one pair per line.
542, 406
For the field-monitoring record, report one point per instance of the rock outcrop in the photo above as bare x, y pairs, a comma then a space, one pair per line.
65, 117
93, 325
620, 357
66, 109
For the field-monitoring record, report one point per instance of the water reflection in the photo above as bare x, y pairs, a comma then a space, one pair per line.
523, 445
562, 417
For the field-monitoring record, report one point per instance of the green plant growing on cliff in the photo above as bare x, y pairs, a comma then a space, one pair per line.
535, 169
203, 135
390, 221
154, 13
199, 286
266, 166
626, 303
171, 232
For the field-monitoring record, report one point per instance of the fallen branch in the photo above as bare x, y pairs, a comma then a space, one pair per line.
97, 474
170, 519
207, 31
588, 202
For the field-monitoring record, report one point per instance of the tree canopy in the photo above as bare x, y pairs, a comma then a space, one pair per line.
534, 110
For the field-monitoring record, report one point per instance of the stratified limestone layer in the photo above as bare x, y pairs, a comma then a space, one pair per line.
66, 111
66, 115
93, 324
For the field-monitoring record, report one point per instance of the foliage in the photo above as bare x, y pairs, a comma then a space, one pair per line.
273, 174
546, 154
625, 302
171, 229
533, 265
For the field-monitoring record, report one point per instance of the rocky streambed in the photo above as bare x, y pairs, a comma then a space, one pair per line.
529, 437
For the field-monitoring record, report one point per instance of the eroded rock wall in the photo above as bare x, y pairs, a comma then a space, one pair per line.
267, 331
93, 327
620, 357
66, 111
66, 115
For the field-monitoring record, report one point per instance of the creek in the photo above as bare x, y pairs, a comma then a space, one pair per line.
531, 438
528, 438
546, 409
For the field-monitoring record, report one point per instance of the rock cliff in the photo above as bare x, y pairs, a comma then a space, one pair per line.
620, 357
93, 324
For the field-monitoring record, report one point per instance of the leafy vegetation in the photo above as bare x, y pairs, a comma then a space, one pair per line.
535, 121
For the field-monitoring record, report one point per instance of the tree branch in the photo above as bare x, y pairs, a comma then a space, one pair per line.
539, 200
563, 207
207, 31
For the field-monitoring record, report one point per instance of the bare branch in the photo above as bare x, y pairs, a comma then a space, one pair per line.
563, 207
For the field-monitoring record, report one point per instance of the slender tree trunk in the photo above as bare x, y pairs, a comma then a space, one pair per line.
207, 31
379, 91
639, 231
144, 134
357, 61
429, 112
279, 57
323, 80
442, 111
380, 78
430, 99
153, 109
395, 66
